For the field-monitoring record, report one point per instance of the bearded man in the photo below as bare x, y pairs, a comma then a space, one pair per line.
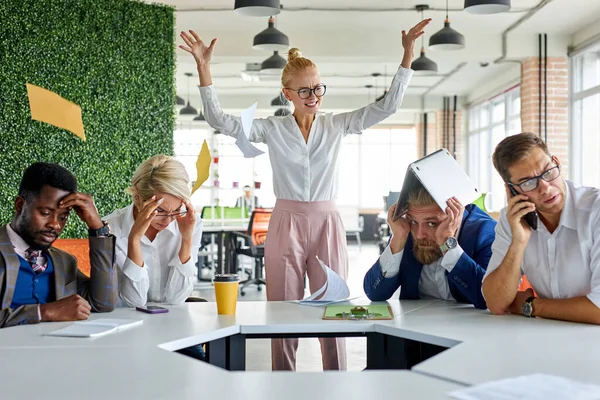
434, 253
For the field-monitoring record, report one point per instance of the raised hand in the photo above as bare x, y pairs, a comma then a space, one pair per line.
408, 41
449, 226
409, 38
84, 206
196, 47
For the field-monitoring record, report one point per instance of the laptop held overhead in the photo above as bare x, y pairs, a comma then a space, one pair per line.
442, 177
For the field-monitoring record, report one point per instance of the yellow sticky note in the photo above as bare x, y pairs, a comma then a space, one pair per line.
202, 166
47, 106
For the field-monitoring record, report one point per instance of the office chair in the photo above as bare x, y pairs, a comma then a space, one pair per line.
252, 244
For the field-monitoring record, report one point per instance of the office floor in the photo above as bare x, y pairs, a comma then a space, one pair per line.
258, 351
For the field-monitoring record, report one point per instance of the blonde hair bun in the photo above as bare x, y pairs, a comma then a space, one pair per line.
294, 53
295, 64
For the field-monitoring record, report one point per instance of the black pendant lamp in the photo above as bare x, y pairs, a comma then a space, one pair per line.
447, 38
271, 39
423, 65
280, 101
257, 8
273, 64
487, 6
179, 101
282, 112
188, 109
200, 117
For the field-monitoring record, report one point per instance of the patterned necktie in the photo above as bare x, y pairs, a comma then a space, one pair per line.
34, 258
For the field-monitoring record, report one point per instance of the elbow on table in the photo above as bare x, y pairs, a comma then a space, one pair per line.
496, 310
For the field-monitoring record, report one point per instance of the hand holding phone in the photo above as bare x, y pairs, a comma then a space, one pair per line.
152, 309
531, 217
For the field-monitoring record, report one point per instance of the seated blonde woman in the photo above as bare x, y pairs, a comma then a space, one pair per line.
158, 235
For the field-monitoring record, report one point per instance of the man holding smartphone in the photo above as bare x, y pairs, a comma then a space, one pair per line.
561, 258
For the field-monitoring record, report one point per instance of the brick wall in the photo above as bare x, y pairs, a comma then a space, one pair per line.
435, 134
459, 132
558, 104
431, 136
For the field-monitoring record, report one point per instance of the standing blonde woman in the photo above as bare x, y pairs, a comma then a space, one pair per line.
303, 148
158, 235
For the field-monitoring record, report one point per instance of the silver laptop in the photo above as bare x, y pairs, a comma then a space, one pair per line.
442, 177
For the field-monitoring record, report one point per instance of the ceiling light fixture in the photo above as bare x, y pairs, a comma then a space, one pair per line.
423, 65
188, 109
271, 39
282, 112
257, 8
273, 64
280, 101
487, 6
447, 38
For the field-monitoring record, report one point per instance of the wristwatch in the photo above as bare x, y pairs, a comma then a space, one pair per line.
527, 307
449, 244
104, 231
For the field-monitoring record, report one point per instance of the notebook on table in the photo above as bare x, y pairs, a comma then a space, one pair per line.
95, 328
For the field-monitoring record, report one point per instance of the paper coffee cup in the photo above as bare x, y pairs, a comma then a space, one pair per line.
226, 293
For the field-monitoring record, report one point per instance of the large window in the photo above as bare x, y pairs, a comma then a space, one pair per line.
380, 157
229, 171
370, 165
585, 84
489, 123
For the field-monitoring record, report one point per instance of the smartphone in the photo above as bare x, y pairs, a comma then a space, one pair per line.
531, 218
152, 309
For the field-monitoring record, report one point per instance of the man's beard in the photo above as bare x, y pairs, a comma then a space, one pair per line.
23, 229
426, 255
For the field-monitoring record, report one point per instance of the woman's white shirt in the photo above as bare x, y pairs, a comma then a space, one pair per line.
163, 277
306, 171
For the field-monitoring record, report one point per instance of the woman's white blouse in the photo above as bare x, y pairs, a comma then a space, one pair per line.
306, 171
163, 278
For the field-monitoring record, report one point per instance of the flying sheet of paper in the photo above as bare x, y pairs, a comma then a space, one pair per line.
202, 166
47, 106
243, 141
334, 290
530, 387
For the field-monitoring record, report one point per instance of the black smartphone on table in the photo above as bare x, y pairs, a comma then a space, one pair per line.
531, 217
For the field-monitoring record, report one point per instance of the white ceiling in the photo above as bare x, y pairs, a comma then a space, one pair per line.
348, 46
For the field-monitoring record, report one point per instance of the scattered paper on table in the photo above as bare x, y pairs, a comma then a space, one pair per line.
47, 106
334, 290
530, 387
202, 166
243, 141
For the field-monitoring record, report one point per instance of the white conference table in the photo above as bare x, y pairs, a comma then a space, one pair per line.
138, 363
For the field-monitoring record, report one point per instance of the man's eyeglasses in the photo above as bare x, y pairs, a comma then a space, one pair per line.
532, 183
305, 93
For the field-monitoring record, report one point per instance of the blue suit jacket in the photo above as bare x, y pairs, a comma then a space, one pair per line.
475, 238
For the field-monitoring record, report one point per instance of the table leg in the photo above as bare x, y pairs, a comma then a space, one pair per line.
228, 353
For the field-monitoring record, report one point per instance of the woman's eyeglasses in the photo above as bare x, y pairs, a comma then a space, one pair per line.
162, 214
305, 93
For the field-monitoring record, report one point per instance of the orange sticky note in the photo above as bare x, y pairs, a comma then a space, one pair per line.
47, 106
202, 166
